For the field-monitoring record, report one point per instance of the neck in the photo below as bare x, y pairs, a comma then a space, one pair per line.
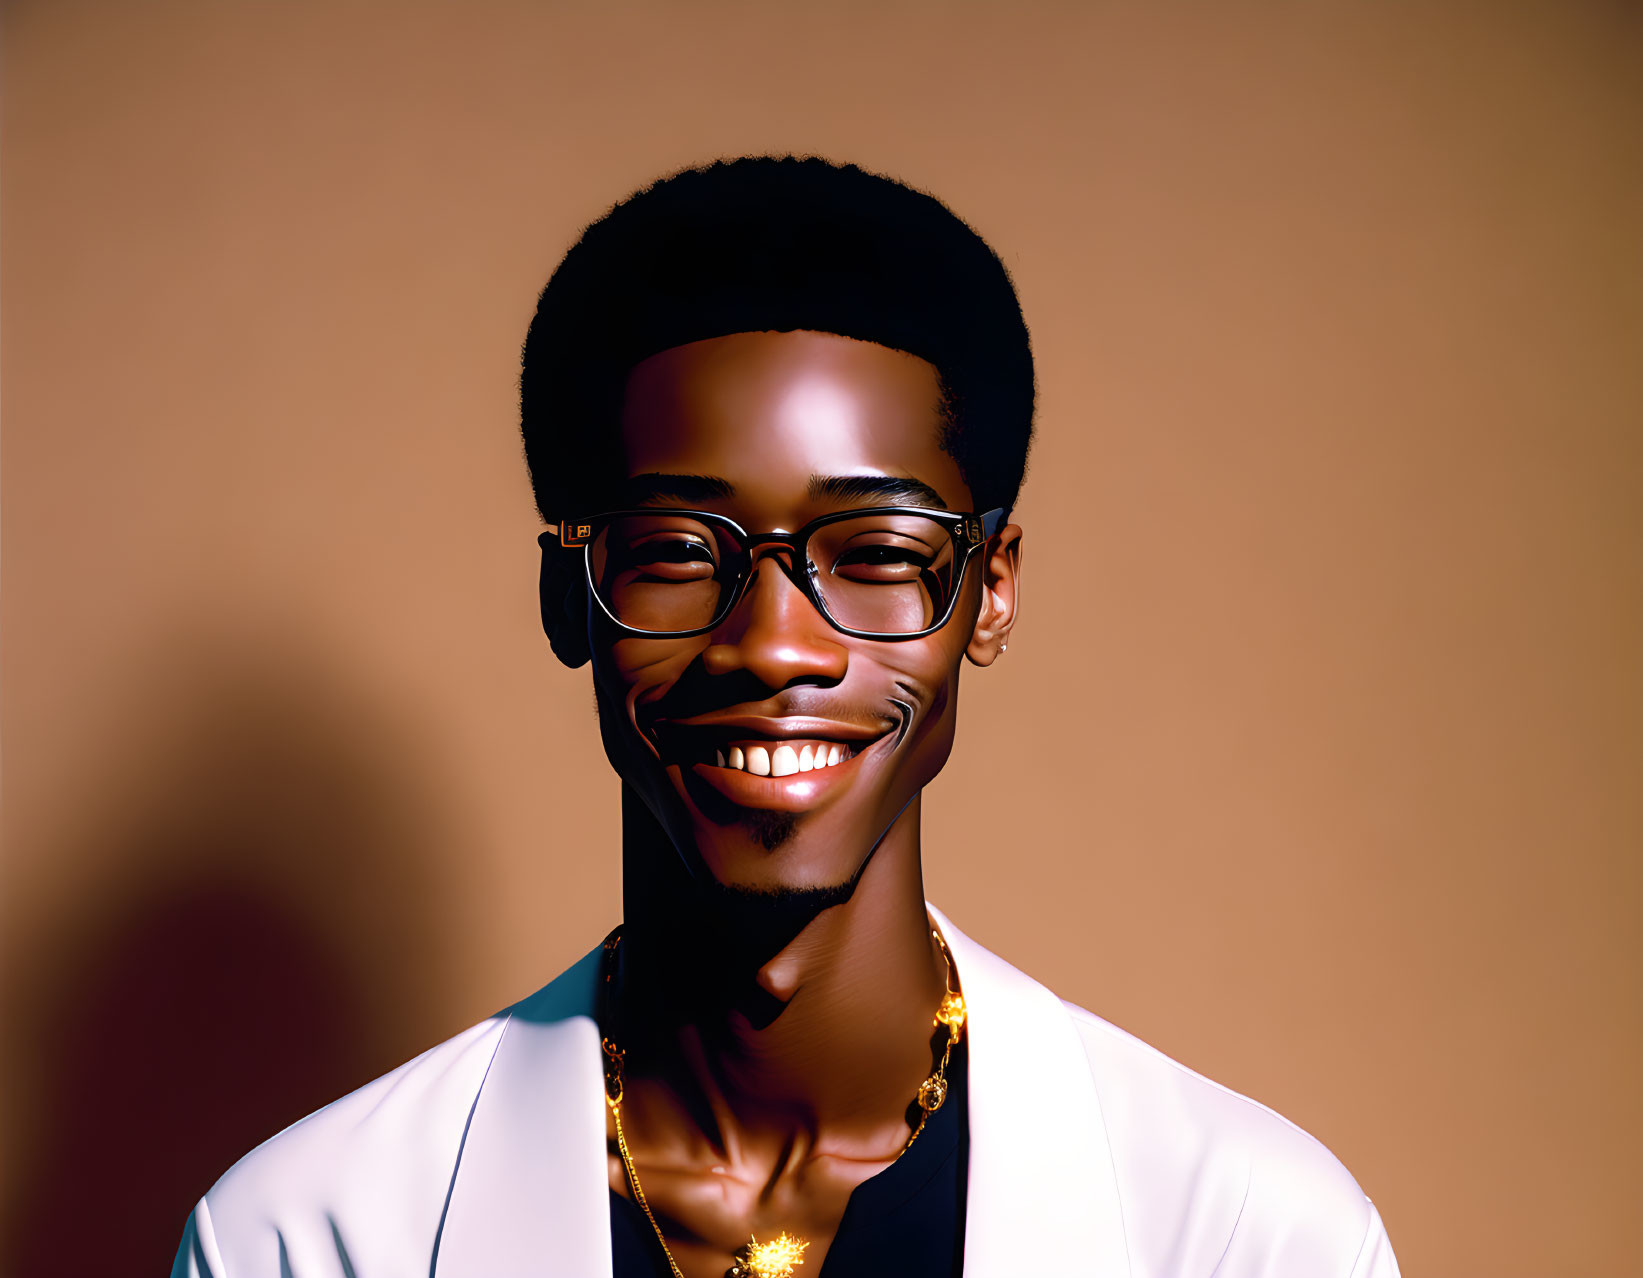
773, 1020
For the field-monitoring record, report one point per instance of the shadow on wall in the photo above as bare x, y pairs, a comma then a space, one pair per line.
266, 944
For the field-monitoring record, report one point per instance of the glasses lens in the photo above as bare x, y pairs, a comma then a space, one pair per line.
888, 574
662, 572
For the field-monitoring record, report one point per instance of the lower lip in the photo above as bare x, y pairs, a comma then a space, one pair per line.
792, 793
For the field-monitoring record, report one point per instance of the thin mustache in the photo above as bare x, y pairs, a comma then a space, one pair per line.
784, 705
691, 700
895, 715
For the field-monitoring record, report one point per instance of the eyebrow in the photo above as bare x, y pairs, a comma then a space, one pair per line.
653, 486
889, 489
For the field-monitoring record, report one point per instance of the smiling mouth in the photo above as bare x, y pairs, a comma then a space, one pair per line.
769, 759
763, 746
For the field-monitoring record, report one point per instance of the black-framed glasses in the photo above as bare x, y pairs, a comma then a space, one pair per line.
882, 572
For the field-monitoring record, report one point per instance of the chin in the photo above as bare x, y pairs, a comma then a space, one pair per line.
800, 832
767, 852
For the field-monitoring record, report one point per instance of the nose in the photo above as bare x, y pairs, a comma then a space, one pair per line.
775, 634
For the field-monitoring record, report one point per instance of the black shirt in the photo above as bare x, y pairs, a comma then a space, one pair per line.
907, 1221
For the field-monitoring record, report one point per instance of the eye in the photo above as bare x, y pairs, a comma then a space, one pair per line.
667, 558
886, 563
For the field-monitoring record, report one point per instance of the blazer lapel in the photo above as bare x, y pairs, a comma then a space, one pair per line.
1043, 1196
530, 1195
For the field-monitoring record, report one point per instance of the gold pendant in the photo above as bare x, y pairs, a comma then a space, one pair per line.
775, 1259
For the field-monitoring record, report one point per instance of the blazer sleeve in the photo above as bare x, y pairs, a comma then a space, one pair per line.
197, 1255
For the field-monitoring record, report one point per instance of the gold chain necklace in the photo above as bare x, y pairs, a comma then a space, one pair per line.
777, 1257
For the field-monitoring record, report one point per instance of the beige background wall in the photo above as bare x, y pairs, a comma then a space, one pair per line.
1316, 761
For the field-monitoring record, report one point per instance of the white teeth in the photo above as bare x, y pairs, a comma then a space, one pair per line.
782, 760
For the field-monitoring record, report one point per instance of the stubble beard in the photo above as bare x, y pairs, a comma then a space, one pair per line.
773, 830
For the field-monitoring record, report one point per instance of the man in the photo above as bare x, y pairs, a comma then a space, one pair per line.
776, 414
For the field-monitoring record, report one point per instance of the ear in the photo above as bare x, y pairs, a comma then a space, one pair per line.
562, 590
1000, 595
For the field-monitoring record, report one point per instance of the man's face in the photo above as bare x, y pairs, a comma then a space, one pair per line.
766, 428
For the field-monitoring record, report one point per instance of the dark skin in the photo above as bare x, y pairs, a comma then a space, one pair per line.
778, 980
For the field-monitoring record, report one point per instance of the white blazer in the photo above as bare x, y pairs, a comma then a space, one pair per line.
1090, 1154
